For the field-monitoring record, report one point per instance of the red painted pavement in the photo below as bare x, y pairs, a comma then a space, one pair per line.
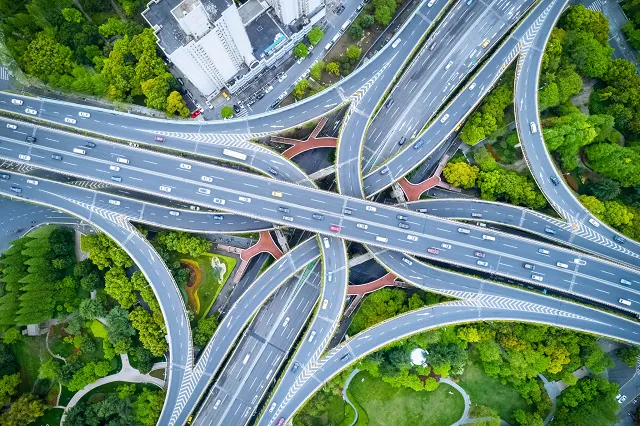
312, 142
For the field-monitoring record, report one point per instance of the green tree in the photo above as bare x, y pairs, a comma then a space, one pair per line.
91, 309
366, 20
510, 186
315, 35
355, 31
148, 406
300, 90
629, 354
11, 336
604, 189
104, 252
384, 11
156, 91
176, 105
525, 418
590, 401
353, 52
301, 50
119, 326
8, 387
485, 160
617, 214
616, 162
118, 286
316, 70
204, 330
579, 18
490, 116
460, 174
49, 369
184, 243
226, 112
590, 56
378, 306
72, 14
23, 411
45, 57
150, 333
332, 68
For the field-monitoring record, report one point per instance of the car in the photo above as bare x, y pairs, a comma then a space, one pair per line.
84, 114
158, 139
623, 399
444, 118
618, 239
362, 226
533, 127
122, 160
195, 113
347, 211
31, 111
412, 237
218, 217
199, 107
325, 303
24, 157
56, 157
389, 103
11, 126
217, 404
286, 322
433, 250
543, 251
273, 171
208, 104
469, 2
283, 209
90, 144
244, 199
418, 144
335, 228
295, 367
472, 86
594, 222
174, 213
625, 282
464, 231
403, 225
204, 191
479, 254
580, 262
30, 139
116, 178
206, 179
474, 214
345, 358
17, 101
445, 246
114, 168
114, 202
396, 43
384, 171
317, 216
482, 263
489, 237
554, 180
219, 201
339, 10
433, 45
276, 194
70, 120
549, 230
287, 218
180, 81
5, 176
236, 109
401, 217
194, 208
32, 182
485, 43
272, 407
266, 90
281, 77
225, 95
185, 166
165, 188
16, 189
326, 243
481, 224
402, 140
407, 261
360, 6
529, 266
312, 335
370, 208
537, 277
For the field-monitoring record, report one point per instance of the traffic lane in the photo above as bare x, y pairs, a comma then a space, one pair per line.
454, 42
171, 304
459, 107
237, 317
425, 319
388, 231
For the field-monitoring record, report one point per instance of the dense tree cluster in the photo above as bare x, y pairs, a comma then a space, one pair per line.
57, 43
204, 330
36, 277
591, 401
183, 243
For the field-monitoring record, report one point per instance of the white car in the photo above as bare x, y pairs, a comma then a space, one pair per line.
115, 168
17, 101
165, 188
209, 105
407, 261
445, 246
219, 201
245, 199
282, 77
412, 238
444, 118
32, 181
482, 263
472, 86
204, 191
114, 202
24, 157
84, 114
174, 213
362, 226
370, 208
286, 322
594, 222
207, 179
11, 126
185, 166
536, 277
396, 43
268, 89
70, 120
31, 111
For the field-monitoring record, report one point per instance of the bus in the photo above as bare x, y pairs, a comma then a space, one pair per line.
234, 154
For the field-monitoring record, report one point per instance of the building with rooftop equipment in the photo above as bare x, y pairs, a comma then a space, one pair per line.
205, 39
288, 11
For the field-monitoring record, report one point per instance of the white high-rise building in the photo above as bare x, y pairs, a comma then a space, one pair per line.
290, 10
205, 39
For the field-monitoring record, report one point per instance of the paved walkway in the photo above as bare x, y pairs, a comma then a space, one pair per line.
264, 245
346, 398
313, 141
413, 191
126, 374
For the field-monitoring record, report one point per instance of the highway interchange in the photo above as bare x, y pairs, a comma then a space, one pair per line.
248, 193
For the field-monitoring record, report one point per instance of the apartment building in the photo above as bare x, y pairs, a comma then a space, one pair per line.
288, 11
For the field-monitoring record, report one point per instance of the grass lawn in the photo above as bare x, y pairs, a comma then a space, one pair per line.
211, 283
51, 418
386, 405
485, 390
98, 329
159, 374
29, 352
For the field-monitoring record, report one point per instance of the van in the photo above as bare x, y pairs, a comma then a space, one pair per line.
382, 239
122, 160
79, 151
489, 237
276, 194
562, 265
114, 202
625, 282
464, 231
533, 127
32, 181
625, 302
326, 243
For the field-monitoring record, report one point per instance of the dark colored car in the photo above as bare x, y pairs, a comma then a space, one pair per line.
478, 254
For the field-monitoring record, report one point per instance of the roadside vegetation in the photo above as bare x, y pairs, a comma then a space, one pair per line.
91, 47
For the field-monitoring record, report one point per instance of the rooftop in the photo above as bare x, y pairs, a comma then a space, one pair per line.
262, 32
250, 10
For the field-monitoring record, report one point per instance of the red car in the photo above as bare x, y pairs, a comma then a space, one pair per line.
433, 250
336, 228
196, 113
